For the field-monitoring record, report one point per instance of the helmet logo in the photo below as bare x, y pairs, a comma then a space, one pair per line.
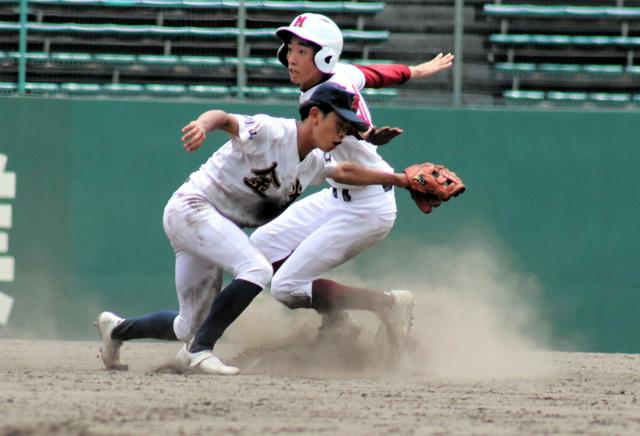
300, 21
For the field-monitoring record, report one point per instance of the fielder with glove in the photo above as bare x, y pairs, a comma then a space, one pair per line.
431, 184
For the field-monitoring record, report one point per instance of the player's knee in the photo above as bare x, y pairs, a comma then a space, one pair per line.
260, 239
183, 329
266, 244
289, 294
258, 271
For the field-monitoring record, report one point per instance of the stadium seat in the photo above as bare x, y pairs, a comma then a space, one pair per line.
633, 69
123, 89
538, 39
549, 68
567, 96
158, 60
117, 59
41, 88
516, 67
161, 89
208, 91
81, 88
30, 56
8, 87
603, 69
70, 57
203, 61
562, 11
286, 92
610, 97
524, 95
604, 98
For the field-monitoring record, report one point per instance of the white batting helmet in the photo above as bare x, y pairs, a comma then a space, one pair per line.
321, 31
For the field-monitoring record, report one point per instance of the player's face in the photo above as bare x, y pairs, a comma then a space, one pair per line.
329, 131
302, 69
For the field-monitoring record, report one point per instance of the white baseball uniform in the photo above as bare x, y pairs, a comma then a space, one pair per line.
326, 229
247, 182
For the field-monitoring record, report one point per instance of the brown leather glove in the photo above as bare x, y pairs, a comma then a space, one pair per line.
431, 184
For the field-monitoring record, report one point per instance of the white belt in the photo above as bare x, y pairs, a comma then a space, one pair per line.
348, 195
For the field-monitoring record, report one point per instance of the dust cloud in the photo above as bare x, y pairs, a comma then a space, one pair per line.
475, 318
43, 312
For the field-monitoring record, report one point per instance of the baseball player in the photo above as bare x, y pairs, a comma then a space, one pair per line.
326, 229
252, 178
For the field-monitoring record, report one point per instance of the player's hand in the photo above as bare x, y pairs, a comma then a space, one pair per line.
381, 135
439, 63
194, 136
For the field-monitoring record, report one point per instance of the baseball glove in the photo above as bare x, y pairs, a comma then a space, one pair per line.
431, 184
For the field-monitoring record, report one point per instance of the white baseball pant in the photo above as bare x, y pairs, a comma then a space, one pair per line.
206, 243
321, 232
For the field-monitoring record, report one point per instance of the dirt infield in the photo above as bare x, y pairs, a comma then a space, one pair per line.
50, 387
476, 364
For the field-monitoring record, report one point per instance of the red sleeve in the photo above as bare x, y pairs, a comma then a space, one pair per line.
383, 75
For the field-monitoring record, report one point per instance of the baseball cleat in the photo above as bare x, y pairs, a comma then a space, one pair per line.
398, 319
204, 362
110, 349
339, 324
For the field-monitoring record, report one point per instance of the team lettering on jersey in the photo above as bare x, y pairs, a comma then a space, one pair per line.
296, 190
263, 179
252, 132
266, 177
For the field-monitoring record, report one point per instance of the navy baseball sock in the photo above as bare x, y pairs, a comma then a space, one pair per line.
158, 325
227, 306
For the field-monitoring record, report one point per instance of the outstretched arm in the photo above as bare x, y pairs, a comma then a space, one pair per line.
196, 131
383, 75
351, 173
439, 63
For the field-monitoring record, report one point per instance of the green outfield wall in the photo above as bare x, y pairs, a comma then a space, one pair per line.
555, 192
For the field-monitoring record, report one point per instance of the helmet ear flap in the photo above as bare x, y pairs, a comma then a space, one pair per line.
326, 59
282, 55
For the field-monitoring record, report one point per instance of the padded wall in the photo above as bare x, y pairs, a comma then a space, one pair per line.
556, 191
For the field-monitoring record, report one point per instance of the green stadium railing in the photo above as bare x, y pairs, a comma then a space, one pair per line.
309, 6
364, 36
158, 60
173, 90
38, 30
8, 88
548, 44
562, 11
522, 68
607, 98
537, 39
